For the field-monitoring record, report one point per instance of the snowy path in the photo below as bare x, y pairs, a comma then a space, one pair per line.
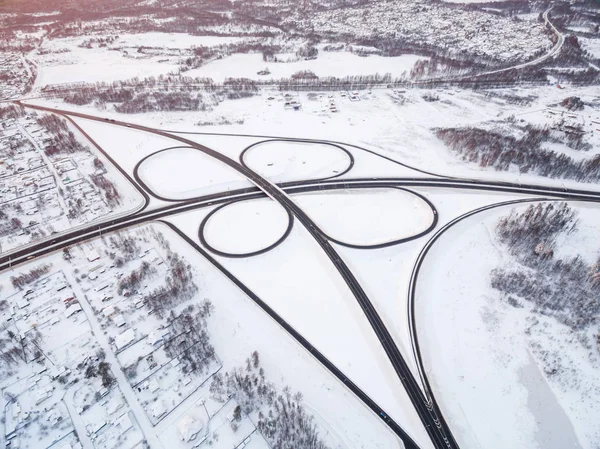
135, 407
78, 423
49, 164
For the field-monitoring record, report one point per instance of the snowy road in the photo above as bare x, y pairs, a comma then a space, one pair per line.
139, 413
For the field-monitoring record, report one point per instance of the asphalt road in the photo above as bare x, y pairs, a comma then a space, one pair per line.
424, 404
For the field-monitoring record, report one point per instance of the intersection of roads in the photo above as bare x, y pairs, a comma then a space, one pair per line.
419, 393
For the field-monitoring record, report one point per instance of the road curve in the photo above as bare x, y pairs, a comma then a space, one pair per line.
264, 250
553, 51
406, 439
431, 227
246, 150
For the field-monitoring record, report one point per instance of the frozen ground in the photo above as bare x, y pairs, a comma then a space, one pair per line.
484, 357
69, 60
82, 65
338, 64
246, 226
171, 40
183, 173
590, 45
240, 327
367, 216
294, 161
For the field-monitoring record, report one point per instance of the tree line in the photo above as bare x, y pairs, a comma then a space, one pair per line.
282, 419
500, 151
565, 288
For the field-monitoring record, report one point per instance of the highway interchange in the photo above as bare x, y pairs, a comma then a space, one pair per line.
422, 398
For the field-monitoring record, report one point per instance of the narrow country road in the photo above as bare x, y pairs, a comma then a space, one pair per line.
135, 407
78, 423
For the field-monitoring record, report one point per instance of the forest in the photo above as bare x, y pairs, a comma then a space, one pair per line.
566, 288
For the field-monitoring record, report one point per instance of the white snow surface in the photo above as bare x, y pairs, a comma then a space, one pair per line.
293, 161
65, 61
246, 226
338, 64
397, 124
367, 216
484, 368
183, 173
173, 40
299, 282
96, 65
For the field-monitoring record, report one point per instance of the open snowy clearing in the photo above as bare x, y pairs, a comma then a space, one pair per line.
299, 282
246, 226
294, 161
173, 40
484, 368
239, 327
590, 45
67, 60
82, 65
183, 173
338, 64
367, 216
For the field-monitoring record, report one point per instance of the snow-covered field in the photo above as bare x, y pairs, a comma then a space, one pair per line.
246, 226
82, 65
385, 273
172, 40
183, 173
367, 216
338, 64
68, 60
294, 161
485, 368
590, 45
397, 124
